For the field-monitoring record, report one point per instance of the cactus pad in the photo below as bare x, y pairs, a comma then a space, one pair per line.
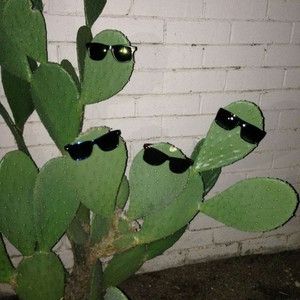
70, 69
123, 193
112, 293
55, 96
256, 204
104, 78
223, 147
154, 187
6, 268
92, 10
17, 178
40, 276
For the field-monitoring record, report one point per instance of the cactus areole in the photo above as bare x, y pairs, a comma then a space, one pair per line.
85, 193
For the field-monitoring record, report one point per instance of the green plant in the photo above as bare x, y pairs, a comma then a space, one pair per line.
60, 197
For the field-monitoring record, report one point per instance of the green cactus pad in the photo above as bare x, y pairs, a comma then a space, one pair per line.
113, 293
99, 228
18, 95
17, 178
99, 176
37, 4
92, 10
26, 28
256, 204
223, 147
84, 36
55, 201
105, 78
70, 69
96, 289
55, 96
7, 270
40, 276
154, 187
123, 193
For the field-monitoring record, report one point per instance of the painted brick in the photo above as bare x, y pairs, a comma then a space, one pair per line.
53, 52
194, 81
260, 32
284, 10
4, 151
225, 181
233, 56
288, 158
168, 57
271, 119
289, 119
68, 51
283, 55
117, 7
138, 30
229, 235
235, 9
292, 78
296, 34
10, 248
41, 154
202, 221
6, 106
294, 240
283, 99
254, 79
168, 105
36, 134
202, 32
185, 125
6, 138
166, 8
211, 102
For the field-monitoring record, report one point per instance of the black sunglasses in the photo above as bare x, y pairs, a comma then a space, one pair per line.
155, 157
121, 53
82, 150
249, 132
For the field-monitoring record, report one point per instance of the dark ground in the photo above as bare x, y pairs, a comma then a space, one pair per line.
255, 277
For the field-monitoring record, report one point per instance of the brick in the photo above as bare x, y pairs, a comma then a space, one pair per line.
229, 235
202, 221
168, 57
185, 125
53, 52
117, 7
278, 100
168, 105
233, 56
211, 102
6, 137
166, 8
136, 29
284, 10
294, 240
283, 55
260, 32
254, 79
6, 106
116, 107
235, 9
65, 7
289, 119
43, 153
292, 78
225, 181
68, 51
287, 158
194, 81
36, 134
202, 32
4, 151
10, 248
296, 34
271, 119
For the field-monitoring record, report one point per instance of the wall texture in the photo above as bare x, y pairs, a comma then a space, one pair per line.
193, 57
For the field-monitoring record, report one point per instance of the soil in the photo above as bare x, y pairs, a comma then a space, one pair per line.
255, 277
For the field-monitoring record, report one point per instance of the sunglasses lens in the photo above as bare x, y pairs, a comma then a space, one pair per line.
252, 134
226, 119
108, 141
80, 151
179, 165
97, 51
154, 157
122, 53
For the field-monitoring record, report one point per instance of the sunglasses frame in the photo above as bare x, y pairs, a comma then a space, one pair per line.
165, 157
91, 144
111, 48
246, 128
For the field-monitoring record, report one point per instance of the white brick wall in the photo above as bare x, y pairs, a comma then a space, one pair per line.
194, 56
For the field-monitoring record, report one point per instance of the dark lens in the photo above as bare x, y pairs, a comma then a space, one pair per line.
154, 157
226, 119
97, 51
251, 133
179, 165
108, 141
122, 53
80, 151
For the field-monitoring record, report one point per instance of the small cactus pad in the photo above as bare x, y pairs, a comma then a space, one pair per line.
99, 176
55, 201
154, 187
26, 28
92, 10
55, 96
113, 293
6, 268
256, 204
17, 178
223, 147
123, 193
104, 78
40, 276
18, 95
